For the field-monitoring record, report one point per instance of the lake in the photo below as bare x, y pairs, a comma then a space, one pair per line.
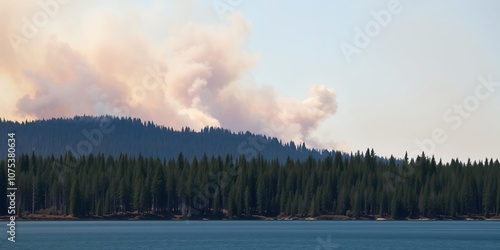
317, 235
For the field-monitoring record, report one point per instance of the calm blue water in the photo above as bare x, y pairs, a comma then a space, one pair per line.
318, 235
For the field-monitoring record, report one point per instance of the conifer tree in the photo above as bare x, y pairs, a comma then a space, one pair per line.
75, 205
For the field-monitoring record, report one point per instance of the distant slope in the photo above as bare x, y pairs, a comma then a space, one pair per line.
111, 135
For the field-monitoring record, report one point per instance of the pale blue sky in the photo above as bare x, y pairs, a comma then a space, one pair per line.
396, 91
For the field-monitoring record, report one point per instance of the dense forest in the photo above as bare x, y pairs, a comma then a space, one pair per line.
108, 135
356, 185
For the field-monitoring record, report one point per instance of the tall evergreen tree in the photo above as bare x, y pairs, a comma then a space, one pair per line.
75, 201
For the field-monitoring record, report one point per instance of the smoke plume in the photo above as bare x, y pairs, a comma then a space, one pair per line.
89, 59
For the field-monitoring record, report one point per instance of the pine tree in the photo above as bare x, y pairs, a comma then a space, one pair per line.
248, 210
216, 205
75, 205
158, 188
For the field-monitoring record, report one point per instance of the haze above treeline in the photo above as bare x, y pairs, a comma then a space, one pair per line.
110, 135
83, 135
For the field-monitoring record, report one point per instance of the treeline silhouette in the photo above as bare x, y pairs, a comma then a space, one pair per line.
84, 135
225, 187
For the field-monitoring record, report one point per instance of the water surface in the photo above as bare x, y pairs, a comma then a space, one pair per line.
255, 235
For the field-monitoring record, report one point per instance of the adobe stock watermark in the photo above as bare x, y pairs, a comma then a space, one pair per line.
454, 116
225, 7
326, 244
11, 186
253, 146
93, 138
363, 36
30, 26
154, 78
218, 181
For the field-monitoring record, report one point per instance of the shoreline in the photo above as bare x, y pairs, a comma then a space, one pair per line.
172, 217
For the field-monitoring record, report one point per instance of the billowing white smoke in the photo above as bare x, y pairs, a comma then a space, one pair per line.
195, 77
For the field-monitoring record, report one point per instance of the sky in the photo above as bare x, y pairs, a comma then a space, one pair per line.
395, 76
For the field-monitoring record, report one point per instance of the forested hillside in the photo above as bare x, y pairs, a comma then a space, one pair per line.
223, 186
111, 135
